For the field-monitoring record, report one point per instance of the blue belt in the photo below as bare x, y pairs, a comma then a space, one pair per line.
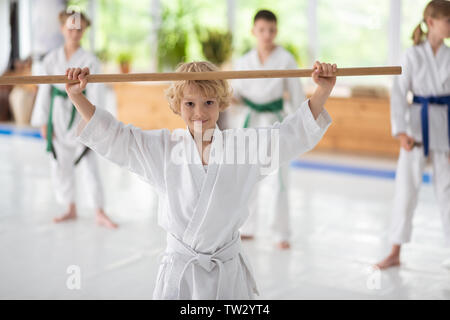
425, 101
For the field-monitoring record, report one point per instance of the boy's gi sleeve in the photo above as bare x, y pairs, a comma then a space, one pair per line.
296, 134
142, 152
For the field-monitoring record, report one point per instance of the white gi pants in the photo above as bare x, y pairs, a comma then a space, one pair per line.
279, 212
407, 184
63, 173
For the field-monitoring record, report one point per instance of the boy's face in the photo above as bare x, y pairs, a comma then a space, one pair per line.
72, 32
265, 32
198, 112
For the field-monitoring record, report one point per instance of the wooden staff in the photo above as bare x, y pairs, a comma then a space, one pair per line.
211, 75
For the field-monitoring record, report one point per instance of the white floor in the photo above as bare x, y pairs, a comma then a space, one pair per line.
339, 226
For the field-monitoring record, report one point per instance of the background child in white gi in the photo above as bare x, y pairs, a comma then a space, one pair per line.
265, 106
204, 193
423, 126
56, 116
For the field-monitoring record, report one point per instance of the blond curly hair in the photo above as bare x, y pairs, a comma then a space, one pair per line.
220, 89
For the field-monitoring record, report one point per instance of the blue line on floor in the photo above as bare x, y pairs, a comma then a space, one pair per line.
299, 164
343, 169
28, 132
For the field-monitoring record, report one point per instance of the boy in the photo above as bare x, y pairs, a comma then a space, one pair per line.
265, 106
56, 116
204, 195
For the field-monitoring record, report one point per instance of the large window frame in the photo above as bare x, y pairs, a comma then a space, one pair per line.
395, 45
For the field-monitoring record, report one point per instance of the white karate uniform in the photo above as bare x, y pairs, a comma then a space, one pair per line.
262, 91
201, 211
425, 75
67, 148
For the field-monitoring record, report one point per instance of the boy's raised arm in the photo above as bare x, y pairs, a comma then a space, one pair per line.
322, 76
302, 130
141, 152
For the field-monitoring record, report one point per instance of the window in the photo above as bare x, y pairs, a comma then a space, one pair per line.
349, 33
205, 14
122, 27
353, 33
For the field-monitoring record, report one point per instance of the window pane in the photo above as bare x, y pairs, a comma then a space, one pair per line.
205, 14
122, 28
353, 33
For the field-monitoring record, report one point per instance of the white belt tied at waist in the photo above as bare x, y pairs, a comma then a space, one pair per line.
206, 261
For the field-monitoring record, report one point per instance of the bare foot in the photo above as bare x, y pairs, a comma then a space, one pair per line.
247, 237
390, 261
103, 220
283, 245
71, 214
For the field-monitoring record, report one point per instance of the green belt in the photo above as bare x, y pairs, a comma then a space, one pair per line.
55, 92
274, 107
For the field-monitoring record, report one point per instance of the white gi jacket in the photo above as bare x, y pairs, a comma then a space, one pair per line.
201, 211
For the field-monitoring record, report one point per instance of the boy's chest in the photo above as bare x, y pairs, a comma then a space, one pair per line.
189, 182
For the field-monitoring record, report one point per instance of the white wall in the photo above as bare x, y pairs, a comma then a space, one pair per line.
5, 35
45, 29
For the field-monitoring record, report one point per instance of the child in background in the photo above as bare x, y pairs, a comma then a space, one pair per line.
422, 127
56, 116
265, 106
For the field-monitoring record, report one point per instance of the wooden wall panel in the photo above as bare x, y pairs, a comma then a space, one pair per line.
360, 125
145, 106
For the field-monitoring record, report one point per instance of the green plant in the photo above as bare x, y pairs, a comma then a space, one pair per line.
216, 45
124, 57
292, 50
172, 37
103, 54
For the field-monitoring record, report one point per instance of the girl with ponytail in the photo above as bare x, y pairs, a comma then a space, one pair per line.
422, 126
